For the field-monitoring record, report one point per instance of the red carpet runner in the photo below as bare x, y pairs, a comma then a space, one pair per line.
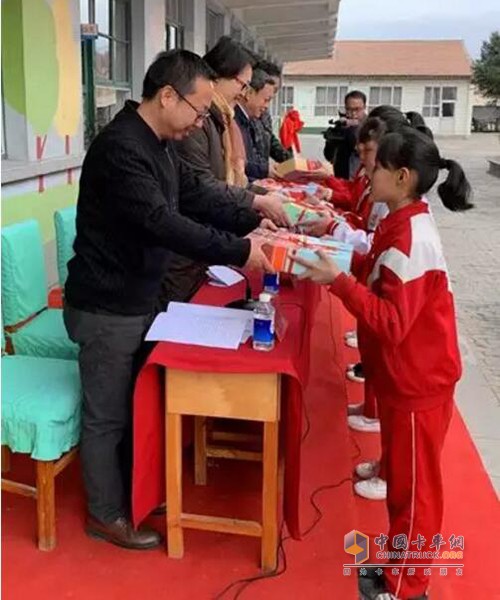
83, 569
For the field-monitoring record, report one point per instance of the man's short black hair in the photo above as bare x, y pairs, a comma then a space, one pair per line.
228, 58
178, 68
355, 95
269, 67
260, 79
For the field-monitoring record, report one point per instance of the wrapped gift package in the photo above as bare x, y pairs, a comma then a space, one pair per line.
282, 246
300, 169
306, 212
297, 191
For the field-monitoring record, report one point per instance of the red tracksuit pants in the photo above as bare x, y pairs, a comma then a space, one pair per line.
412, 443
370, 408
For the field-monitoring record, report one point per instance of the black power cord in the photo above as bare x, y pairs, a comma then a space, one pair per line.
282, 562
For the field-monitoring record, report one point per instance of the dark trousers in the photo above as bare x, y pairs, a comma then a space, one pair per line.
111, 354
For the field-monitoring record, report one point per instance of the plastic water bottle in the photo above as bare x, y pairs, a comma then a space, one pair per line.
263, 323
272, 283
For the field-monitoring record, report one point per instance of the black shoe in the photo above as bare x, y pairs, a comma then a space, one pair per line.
373, 587
122, 533
358, 370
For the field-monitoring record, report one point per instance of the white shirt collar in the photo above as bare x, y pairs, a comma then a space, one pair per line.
244, 111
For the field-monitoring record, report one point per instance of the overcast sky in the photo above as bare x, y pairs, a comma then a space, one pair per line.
470, 20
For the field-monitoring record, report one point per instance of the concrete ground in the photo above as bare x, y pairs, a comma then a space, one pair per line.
471, 243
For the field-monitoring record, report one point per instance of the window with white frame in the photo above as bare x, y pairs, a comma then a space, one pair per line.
329, 100
174, 28
439, 101
286, 98
385, 94
283, 101
215, 28
106, 62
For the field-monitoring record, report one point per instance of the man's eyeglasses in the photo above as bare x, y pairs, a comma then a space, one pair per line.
200, 116
245, 85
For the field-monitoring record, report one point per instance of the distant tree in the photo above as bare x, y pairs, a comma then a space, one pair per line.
486, 70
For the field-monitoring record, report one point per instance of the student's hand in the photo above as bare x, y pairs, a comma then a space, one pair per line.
317, 228
268, 224
322, 271
271, 206
257, 260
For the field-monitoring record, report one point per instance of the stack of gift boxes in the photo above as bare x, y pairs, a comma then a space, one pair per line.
298, 169
282, 246
296, 191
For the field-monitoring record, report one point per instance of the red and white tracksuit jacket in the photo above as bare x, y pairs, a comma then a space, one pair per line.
357, 228
347, 194
360, 216
406, 327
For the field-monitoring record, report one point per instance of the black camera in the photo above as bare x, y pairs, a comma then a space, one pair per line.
334, 137
339, 144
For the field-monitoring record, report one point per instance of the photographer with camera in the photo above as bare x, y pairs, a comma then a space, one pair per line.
340, 139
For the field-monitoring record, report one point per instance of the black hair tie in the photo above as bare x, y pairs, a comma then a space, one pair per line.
444, 163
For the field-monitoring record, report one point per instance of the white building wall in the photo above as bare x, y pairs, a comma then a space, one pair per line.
412, 99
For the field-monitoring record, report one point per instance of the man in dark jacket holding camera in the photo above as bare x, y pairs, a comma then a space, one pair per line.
341, 139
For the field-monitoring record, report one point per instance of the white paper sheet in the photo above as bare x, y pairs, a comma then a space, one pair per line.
224, 276
210, 326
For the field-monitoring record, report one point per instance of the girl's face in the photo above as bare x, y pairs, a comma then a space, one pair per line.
386, 184
367, 154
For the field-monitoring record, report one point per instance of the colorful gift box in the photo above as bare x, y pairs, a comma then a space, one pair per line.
297, 191
308, 211
281, 247
299, 168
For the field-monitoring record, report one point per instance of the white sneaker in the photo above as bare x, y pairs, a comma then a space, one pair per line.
355, 409
367, 470
372, 489
362, 423
352, 342
351, 375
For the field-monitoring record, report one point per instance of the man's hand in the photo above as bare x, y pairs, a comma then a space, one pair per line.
257, 260
268, 224
317, 228
271, 206
322, 271
273, 173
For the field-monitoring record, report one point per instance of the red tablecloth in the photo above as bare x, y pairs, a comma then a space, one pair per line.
290, 357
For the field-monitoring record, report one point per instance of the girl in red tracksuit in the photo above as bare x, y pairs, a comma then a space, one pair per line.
348, 193
402, 300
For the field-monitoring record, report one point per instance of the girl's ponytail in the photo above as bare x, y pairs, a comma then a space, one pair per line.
455, 191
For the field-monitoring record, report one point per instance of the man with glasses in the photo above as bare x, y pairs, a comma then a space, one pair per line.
268, 145
138, 207
250, 108
341, 139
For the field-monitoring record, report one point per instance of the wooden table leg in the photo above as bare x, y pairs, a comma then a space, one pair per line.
200, 451
175, 538
270, 498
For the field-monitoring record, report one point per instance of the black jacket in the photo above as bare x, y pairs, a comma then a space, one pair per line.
203, 153
137, 205
256, 166
267, 144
